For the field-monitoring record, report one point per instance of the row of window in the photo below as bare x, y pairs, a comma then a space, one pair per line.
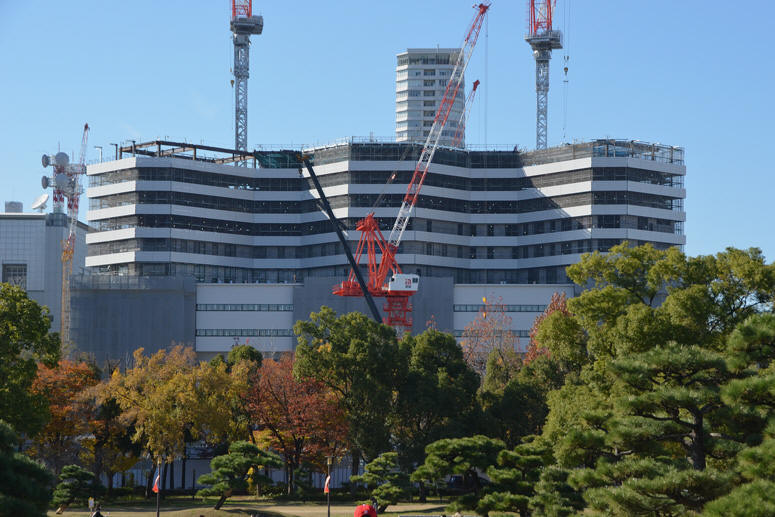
244, 332
394, 200
261, 307
385, 224
207, 273
335, 248
193, 176
226, 274
381, 177
429, 59
503, 184
500, 159
503, 308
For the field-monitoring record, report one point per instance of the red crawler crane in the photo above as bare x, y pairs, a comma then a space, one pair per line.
400, 286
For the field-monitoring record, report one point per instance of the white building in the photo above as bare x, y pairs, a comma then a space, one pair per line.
31, 256
422, 75
495, 224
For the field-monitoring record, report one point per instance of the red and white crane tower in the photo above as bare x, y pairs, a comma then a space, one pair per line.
66, 182
399, 287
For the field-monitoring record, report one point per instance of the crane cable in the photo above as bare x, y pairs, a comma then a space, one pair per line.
392, 177
486, 67
565, 59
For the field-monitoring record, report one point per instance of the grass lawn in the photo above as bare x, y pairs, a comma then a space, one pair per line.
185, 507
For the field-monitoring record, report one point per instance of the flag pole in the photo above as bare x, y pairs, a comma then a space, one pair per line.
329, 460
158, 490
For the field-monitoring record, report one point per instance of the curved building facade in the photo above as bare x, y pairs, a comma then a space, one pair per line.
501, 225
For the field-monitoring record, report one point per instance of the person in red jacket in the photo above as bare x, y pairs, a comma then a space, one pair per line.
365, 510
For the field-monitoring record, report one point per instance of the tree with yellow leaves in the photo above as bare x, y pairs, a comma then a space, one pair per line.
168, 395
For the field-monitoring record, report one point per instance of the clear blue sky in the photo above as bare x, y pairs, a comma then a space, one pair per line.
694, 73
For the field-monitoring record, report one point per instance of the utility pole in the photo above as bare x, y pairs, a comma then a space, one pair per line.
243, 25
542, 40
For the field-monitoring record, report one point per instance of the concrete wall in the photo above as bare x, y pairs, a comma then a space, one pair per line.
253, 311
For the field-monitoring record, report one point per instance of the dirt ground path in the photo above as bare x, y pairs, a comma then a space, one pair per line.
247, 507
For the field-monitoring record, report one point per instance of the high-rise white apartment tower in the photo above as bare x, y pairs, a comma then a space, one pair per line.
421, 78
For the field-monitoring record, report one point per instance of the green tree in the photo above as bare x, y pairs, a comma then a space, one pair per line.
384, 477
462, 456
242, 353
437, 398
24, 341
649, 486
638, 301
553, 496
751, 350
25, 484
76, 485
517, 410
361, 362
514, 477
228, 473
644, 353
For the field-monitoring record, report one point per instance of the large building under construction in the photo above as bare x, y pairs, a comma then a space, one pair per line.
488, 223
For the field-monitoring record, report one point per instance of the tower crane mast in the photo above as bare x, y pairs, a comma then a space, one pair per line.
400, 286
243, 25
542, 39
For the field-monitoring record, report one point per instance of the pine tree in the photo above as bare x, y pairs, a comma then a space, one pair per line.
229, 471
385, 479
25, 484
553, 496
516, 473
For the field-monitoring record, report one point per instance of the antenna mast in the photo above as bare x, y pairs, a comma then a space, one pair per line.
542, 39
66, 183
243, 25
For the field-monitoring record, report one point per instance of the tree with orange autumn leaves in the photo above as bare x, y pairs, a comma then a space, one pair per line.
69, 414
300, 419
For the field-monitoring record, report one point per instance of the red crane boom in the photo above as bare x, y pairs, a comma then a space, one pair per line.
401, 286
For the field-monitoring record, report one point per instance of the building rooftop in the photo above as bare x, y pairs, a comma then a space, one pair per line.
384, 149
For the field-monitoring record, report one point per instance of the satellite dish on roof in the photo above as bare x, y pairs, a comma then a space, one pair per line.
40, 203
61, 180
61, 159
